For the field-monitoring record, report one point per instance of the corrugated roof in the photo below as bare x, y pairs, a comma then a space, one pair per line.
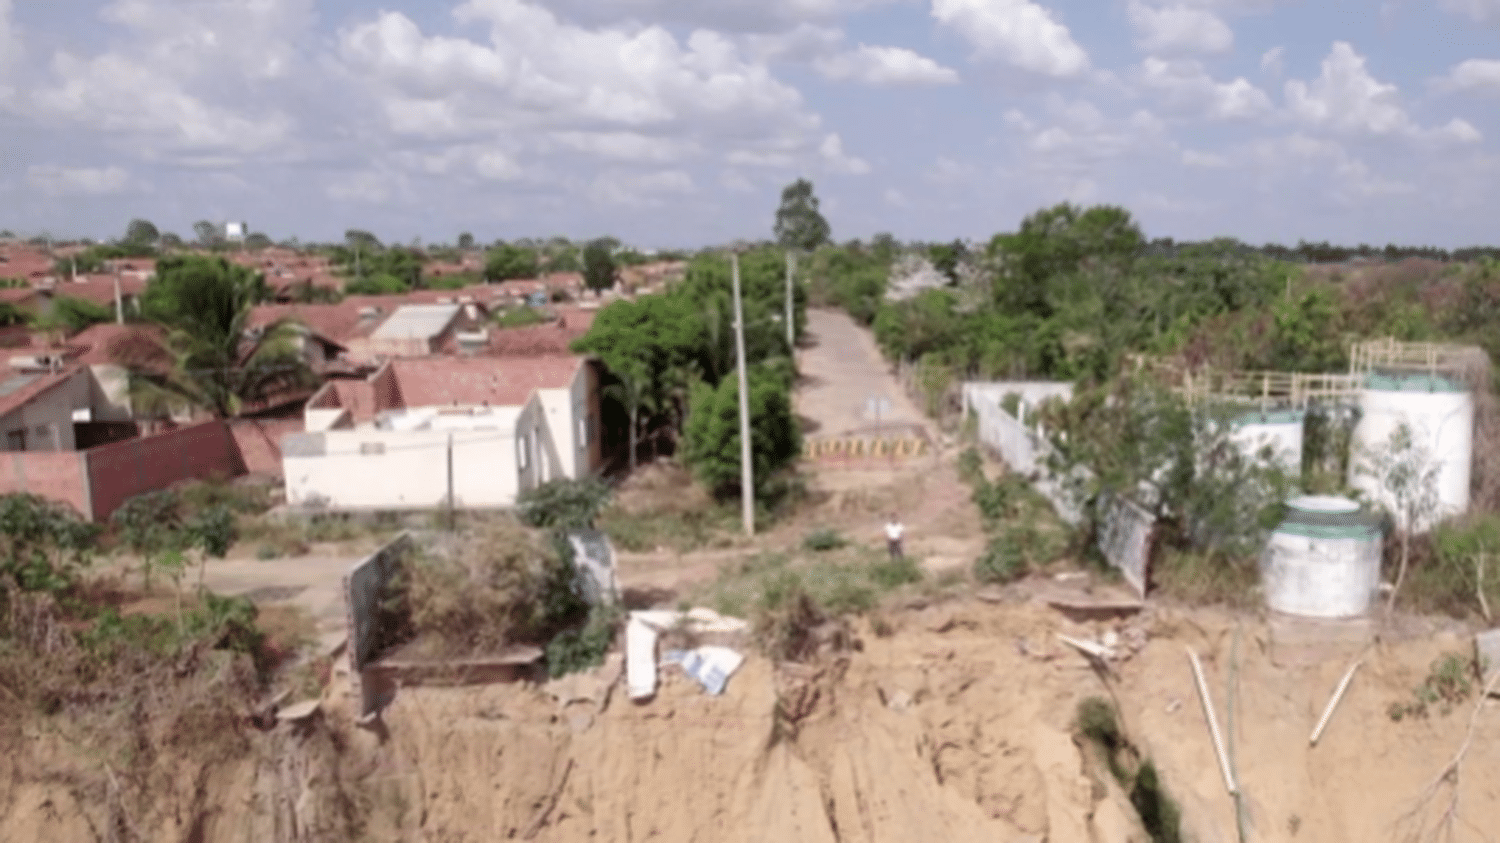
417, 321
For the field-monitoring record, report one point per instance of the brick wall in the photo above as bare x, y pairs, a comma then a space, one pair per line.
387, 390
259, 443
122, 470
56, 475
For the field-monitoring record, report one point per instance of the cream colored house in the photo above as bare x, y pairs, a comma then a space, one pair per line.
481, 430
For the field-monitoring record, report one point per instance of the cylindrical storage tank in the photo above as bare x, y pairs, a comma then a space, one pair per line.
1324, 559
1280, 431
1440, 413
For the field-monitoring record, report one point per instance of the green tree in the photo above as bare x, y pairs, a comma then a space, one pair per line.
598, 266
208, 235
257, 241
466, 241
1405, 475
43, 545
360, 244
205, 356
1055, 242
12, 315
712, 437
74, 314
799, 224
141, 232
632, 390
507, 261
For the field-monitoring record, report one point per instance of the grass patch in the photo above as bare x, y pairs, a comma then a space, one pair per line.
1203, 578
520, 317
279, 536
823, 540
796, 608
683, 532
1450, 680
584, 648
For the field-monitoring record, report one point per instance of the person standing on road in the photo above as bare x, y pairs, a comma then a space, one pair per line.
894, 531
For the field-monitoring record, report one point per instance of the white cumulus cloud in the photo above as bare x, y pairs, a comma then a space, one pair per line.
536, 70
1021, 33
1186, 85
1476, 75
832, 150
181, 80
1273, 61
1346, 98
55, 180
1174, 30
885, 66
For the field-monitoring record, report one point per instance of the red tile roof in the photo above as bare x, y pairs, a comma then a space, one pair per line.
100, 288
550, 338
112, 343
472, 381
337, 323
23, 261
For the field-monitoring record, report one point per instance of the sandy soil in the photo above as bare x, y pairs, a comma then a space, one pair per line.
956, 724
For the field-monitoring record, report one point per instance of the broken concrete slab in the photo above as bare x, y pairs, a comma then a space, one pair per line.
1487, 654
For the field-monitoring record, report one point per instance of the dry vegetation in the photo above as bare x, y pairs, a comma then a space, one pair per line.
480, 591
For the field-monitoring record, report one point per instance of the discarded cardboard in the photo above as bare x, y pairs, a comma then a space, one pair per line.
711, 666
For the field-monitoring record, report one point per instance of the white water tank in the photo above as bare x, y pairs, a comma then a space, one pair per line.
1324, 559
1279, 431
1440, 413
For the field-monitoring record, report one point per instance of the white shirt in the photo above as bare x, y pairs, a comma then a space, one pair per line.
893, 531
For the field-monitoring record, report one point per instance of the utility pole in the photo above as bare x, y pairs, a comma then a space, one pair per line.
747, 472
452, 515
791, 322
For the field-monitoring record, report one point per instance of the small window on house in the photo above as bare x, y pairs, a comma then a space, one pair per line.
372, 449
15, 440
583, 432
521, 454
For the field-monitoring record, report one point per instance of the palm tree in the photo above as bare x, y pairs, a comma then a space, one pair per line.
205, 355
633, 393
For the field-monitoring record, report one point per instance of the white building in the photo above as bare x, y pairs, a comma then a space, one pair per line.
480, 429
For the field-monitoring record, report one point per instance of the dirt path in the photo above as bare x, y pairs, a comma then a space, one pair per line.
842, 375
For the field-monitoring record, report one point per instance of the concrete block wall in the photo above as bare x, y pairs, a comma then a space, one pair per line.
56, 475
122, 470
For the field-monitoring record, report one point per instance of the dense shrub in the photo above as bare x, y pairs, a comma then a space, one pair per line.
563, 504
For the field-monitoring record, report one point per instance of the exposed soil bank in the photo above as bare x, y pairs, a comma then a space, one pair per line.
956, 725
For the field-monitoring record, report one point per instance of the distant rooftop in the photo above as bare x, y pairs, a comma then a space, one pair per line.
417, 321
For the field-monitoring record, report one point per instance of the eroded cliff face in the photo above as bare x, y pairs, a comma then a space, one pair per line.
957, 724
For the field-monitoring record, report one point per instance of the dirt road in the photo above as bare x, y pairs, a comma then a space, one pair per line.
846, 386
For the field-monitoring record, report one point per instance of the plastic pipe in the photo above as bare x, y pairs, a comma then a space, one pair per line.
1213, 723
1333, 702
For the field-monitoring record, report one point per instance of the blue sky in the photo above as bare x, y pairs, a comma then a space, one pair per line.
676, 122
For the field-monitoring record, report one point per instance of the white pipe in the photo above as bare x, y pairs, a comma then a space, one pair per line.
1213, 723
1333, 702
